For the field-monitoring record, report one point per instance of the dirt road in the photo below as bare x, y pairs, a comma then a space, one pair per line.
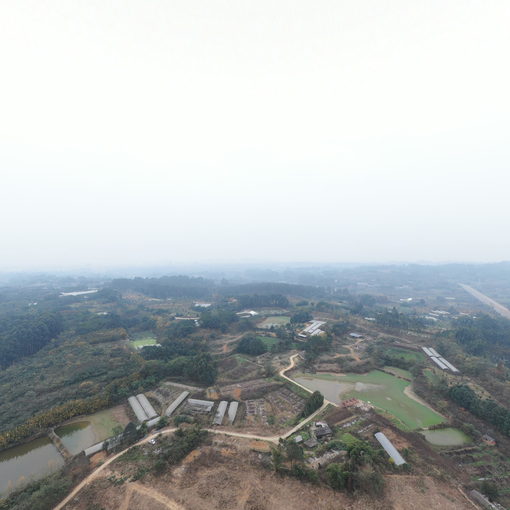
133, 487
498, 307
271, 439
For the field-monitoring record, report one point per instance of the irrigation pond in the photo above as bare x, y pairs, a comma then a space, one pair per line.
26, 462
382, 390
446, 437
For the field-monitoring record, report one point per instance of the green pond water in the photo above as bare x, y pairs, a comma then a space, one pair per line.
380, 389
77, 436
28, 462
446, 437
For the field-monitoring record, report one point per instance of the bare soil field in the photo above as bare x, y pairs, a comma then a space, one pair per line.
235, 478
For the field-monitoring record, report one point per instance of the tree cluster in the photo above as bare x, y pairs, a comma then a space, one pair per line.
485, 409
314, 402
24, 336
251, 344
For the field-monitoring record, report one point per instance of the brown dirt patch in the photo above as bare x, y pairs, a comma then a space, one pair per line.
97, 459
260, 446
239, 482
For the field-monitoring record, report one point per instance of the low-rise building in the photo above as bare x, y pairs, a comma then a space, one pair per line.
321, 430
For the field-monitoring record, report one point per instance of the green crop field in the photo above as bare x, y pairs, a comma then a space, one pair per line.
406, 354
278, 320
269, 341
384, 391
399, 372
144, 341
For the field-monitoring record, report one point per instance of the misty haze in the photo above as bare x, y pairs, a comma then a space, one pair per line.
254, 255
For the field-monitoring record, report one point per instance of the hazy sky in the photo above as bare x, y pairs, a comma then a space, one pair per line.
149, 131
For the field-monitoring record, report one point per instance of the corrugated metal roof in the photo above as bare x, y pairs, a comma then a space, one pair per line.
147, 406
205, 405
440, 364
220, 412
137, 409
176, 403
390, 449
232, 411
448, 364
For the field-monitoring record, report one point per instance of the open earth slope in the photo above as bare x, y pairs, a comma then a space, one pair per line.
230, 476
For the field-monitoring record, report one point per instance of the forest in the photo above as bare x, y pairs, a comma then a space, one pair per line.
24, 335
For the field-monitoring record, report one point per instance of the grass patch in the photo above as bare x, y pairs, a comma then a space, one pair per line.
242, 358
269, 341
405, 354
400, 372
277, 320
144, 341
431, 376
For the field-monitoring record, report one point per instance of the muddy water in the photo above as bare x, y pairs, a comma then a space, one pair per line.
446, 437
331, 389
77, 436
28, 462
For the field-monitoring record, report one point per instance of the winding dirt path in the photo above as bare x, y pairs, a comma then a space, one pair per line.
147, 491
408, 392
271, 439
352, 353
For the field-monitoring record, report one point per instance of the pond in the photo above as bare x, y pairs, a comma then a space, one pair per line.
77, 436
384, 391
92, 428
446, 437
28, 462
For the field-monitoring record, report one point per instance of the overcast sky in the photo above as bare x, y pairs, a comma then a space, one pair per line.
143, 132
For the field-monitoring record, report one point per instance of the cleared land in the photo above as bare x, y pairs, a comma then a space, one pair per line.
405, 354
384, 391
278, 320
269, 341
230, 476
143, 341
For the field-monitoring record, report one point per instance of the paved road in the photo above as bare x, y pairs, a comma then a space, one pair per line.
498, 307
270, 439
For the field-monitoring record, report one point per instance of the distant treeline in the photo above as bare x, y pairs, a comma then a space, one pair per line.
22, 336
264, 300
167, 286
265, 288
249, 295
397, 320
484, 335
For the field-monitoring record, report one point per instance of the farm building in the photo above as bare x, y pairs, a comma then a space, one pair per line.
141, 415
355, 335
147, 406
390, 449
199, 406
322, 430
232, 411
312, 329
442, 363
484, 502
246, 314
220, 412
311, 443
176, 403
439, 363
489, 440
